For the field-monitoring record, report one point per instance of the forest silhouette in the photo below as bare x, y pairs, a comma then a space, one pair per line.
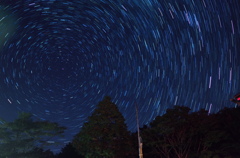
179, 133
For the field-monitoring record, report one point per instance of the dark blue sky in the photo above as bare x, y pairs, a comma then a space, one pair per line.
58, 59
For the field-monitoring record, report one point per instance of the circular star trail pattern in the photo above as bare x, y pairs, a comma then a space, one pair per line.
58, 59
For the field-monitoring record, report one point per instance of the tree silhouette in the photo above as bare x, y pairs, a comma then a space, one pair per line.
179, 133
229, 123
23, 135
35, 153
169, 135
68, 152
104, 134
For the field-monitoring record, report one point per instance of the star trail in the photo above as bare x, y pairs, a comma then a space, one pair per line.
59, 58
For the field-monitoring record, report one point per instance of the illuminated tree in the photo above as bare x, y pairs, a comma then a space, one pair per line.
104, 134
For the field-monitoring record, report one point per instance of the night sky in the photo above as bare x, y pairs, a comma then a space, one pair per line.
59, 58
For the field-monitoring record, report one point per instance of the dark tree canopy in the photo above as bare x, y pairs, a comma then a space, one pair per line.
104, 134
24, 135
68, 152
179, 133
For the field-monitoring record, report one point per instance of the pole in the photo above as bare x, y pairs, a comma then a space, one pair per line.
140, 144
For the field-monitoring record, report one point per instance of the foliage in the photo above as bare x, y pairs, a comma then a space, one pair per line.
181, 134
169, 134
228, 122
68, 152
178, 133
35, 153
23, 135
105, 134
